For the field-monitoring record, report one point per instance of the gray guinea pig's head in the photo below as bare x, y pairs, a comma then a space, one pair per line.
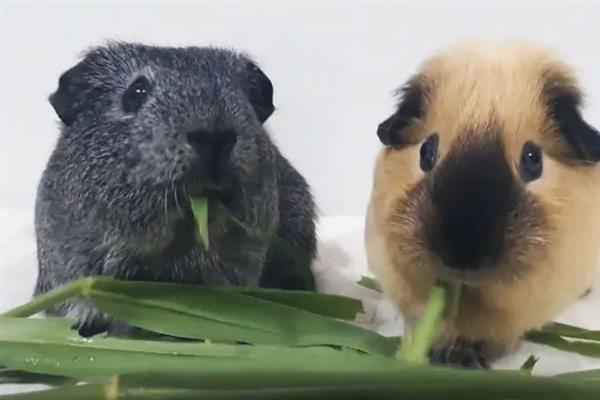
157, 116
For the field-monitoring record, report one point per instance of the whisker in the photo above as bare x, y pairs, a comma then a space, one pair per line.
185, 193
166, 206
179, 210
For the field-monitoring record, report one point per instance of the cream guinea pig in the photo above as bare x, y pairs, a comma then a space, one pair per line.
489, 177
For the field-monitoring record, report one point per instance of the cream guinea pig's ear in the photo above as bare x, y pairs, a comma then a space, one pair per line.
392, 131
564, 101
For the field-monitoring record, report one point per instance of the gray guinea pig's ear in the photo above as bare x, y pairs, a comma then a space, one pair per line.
259, 89
392, 132
67, 99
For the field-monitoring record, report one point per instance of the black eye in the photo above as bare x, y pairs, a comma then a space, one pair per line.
429, 152
136, 94
531, 162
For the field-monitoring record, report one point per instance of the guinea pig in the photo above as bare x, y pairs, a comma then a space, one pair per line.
488, 178
143, 128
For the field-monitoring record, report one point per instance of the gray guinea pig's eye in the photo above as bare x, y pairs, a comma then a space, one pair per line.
429, 152
136, 94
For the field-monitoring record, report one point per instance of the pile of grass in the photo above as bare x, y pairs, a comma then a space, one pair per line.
238, 343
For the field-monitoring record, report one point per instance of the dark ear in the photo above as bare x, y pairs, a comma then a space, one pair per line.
392, 132
582, 137
564, 100
68, 98
259, 89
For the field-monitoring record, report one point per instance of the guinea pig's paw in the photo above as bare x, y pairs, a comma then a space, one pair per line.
91, 324
463, 353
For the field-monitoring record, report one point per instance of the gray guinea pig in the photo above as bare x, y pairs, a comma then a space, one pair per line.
143, 129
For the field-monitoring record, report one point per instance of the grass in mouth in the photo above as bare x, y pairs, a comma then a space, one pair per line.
200, 211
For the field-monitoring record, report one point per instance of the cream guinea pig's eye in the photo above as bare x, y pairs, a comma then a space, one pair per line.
531, 162
136, 94
429, 152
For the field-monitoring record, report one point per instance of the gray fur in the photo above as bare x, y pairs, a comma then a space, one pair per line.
113, 199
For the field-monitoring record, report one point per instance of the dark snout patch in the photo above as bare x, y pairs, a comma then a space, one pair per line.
473, 193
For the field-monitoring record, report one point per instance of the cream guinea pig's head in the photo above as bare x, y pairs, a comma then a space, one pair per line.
489, 170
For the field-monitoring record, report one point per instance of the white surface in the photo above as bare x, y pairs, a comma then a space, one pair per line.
341, 263
333, 66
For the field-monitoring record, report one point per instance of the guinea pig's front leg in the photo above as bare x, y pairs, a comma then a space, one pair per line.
461, 353
92, 321
470, 353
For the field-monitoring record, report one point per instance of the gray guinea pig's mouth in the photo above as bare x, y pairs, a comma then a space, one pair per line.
206, 186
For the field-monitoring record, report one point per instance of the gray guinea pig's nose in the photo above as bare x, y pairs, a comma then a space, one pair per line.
213, 149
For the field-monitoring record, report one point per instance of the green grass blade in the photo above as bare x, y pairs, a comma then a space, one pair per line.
370, 283
47, 300
49, 346
528, 365
571, 331
100, 392
591, 375
447, 388
197, 312
416, 345
200, 211
403, 381
328, 305
15, 376
255, 372
452, 301
179, 310
584, 348
393, 392
87, 392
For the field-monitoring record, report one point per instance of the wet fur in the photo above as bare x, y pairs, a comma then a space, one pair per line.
553, 236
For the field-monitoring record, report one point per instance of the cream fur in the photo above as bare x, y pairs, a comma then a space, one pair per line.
473, 84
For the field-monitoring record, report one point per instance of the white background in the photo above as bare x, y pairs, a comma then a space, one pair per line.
333, 65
